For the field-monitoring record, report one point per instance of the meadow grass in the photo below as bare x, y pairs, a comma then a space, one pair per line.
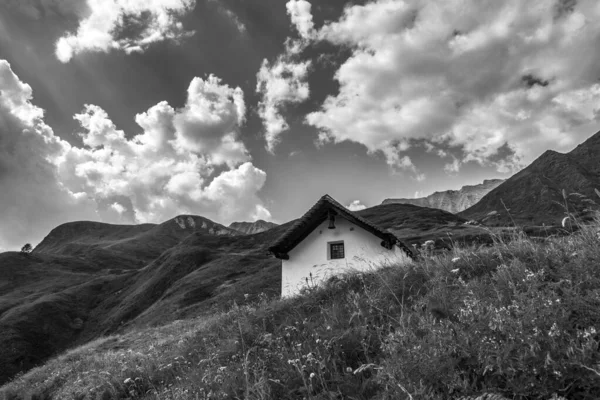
520, 319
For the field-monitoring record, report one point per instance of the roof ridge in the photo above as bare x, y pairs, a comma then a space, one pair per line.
301, 228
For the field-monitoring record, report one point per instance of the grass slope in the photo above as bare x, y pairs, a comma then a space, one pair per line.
67, 290
33, 330
518, 319
113, 277
125, 246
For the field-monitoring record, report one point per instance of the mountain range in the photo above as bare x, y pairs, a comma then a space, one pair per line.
552, 186
453, 201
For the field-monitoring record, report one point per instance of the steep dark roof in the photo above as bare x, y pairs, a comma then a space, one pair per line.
319, 213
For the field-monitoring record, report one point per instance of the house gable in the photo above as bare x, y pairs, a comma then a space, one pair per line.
324, 209
329, 240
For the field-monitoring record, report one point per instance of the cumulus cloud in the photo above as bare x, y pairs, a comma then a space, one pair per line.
280, 83
169, 168
356, 205
33, 199
210, 120
284, 81
482, 76
301, 16
128, 25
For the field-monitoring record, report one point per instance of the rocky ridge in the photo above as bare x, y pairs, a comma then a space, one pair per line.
453, 201
250, 228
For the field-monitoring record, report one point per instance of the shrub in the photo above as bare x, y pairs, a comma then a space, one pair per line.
26, 249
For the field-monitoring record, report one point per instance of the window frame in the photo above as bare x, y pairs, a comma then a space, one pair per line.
330, 248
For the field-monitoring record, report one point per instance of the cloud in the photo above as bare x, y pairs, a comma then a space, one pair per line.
210, 120
232, 16
235, 191
399, 162
128, 25
301, 16
280, 83
453, 167
284, 81
356, 206
32, 197
170, 168
241, 27
477, 76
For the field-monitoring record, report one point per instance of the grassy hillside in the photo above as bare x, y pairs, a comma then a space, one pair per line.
125, 246
102, 279
67, 290
518, 319
415, 224
43, 298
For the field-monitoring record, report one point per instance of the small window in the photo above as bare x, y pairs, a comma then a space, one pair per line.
336, 250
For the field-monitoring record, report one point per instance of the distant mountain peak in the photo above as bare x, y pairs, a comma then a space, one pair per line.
249, 228
196, 223
453, 201
534, 195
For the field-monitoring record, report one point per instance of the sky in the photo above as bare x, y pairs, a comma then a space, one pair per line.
133, 111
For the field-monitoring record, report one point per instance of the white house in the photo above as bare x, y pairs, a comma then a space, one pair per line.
330, 239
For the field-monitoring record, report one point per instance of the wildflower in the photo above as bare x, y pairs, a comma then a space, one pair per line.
529, 275
554, 331
455, 259
454, 271
589, 332
328, 327
312, 375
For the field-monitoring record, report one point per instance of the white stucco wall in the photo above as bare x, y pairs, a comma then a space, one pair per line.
363, 251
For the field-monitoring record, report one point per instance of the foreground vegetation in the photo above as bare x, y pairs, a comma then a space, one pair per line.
519, 319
